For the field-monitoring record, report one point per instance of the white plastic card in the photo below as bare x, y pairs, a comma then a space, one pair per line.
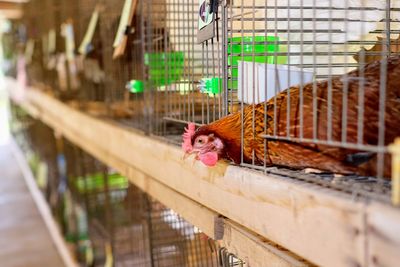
267, 80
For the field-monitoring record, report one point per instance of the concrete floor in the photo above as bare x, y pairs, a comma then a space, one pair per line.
24, 238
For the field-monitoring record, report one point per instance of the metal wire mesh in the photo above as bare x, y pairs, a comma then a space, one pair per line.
176, 66
259, 49
140, 230
301, 43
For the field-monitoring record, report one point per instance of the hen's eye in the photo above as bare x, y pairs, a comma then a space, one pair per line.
200, 141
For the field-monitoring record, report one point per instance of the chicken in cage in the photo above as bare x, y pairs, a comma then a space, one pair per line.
317, 86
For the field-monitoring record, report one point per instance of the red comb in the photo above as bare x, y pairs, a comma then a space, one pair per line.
187, 137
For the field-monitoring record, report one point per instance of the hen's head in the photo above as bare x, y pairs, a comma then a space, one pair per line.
207, 147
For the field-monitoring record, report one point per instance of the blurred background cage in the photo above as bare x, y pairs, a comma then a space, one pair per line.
104, 217
184, 76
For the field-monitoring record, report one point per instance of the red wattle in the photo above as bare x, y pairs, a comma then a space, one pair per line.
209, 158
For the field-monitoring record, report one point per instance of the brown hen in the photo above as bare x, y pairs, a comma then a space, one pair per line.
298, 155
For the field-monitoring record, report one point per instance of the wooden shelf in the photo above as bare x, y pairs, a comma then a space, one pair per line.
321, 225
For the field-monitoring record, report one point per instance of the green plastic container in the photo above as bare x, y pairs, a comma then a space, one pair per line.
211, 86
135, 86
165, 68
248, 44
243, 48
96, 182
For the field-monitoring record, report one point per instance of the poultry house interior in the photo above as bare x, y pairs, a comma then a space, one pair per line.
204, 132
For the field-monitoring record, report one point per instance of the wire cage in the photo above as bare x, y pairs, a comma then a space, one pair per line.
89, 56
178, 67
306, 77
116, 75
300, 74
258, 50
139, 230
303, 78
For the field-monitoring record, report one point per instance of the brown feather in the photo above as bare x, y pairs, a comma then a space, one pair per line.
301, 155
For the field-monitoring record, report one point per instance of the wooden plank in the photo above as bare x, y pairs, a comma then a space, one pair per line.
11, 9
394, 149
300, 217
7, 5
383, 229
241, 242
12, 14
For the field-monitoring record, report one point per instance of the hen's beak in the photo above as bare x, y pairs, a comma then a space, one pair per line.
187, 154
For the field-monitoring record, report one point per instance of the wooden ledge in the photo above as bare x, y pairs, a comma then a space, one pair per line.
324, 226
